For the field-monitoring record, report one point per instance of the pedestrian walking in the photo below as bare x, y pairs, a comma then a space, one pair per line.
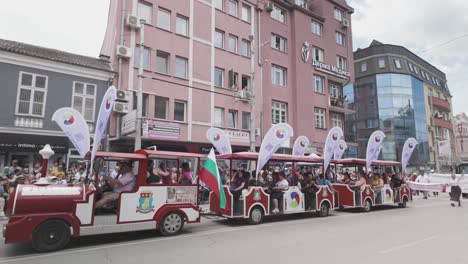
423, 178
455, 190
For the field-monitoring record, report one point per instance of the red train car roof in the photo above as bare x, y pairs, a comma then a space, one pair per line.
275, 157
119, 155
363, 162
173, 154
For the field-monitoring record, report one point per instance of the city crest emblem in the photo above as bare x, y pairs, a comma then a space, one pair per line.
145, 203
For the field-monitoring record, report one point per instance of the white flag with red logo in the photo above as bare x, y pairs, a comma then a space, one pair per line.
407, 151
374, 146
274, 138
75, 128
333, 139
339, 150
220, 140
103, 116
300, 146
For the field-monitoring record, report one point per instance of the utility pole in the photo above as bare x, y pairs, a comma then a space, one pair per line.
140, 88
252, 96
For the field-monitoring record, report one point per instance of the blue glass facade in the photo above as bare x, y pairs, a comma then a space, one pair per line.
402, 114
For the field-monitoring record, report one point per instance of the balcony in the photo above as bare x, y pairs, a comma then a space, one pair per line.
443, 123
437, 102
339, 104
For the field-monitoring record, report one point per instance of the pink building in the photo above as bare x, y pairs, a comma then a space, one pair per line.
202, 57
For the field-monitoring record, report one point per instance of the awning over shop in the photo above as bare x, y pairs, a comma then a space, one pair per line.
32, 143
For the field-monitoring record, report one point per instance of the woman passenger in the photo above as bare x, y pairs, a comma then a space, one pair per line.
186, 176
164, 174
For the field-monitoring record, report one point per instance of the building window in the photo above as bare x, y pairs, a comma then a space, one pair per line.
245, 120
278, 42
372, 123
278, 75
219, 39
334, 90
438, 82
181, 67
164, 19
317, 28
145, 12
179, 111
219, 117
411, 67
232, 43
340, 39
320, 118
278, 14
144, 106
232, 119
219, 77
302, 3
318, 54
31, 94
397, 63
341, 63
279, 112
182, 25
160, 107
245, 13
363, 66
339, 14
245, 82
416, 70
233, 76
433, 80
162, 62
84, 99
219, 4
319, 84
381, 63
146, 58
245, 48
337, 120
232, 7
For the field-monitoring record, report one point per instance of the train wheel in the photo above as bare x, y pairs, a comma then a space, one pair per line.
367, 206
256, 215
52, 235
324, 209
171, 224
403, 204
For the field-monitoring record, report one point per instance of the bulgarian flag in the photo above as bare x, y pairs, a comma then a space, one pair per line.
210, 176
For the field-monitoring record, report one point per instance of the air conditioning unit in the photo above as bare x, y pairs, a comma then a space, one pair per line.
125, 96
257, 132
345, 23
121, 108
268, 6
133, 21
123, 51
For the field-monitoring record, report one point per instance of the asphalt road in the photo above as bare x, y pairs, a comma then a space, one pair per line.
428, 231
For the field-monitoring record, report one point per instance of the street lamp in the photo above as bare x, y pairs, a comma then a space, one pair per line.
45, 153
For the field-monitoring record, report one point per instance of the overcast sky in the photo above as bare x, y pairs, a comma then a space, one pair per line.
79, 26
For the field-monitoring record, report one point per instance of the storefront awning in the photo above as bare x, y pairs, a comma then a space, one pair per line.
32, 143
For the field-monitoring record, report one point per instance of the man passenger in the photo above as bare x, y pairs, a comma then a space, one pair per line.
124, 183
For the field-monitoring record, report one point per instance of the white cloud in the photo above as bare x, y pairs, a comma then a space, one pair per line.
73, 26
420, 25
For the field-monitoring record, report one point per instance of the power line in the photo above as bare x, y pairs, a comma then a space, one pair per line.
189, 86
443, 44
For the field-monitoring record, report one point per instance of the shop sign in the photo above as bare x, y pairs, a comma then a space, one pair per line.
153, 129
238, 137
330, 69
129, 123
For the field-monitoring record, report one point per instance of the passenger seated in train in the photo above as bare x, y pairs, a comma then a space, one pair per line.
309, 188
377, 185
346, 179
125, 182
321, 180
358, 186
395, 183
278, 190
186, 176
237, 184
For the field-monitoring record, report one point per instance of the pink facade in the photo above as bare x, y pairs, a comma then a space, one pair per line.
168, 37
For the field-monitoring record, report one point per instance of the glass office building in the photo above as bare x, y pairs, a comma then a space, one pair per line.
401, 115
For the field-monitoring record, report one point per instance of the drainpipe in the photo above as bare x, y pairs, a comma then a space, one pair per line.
119, 80
260, 64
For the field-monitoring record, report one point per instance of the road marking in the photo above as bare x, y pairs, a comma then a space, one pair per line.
159, 239
407, 245
338, 215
